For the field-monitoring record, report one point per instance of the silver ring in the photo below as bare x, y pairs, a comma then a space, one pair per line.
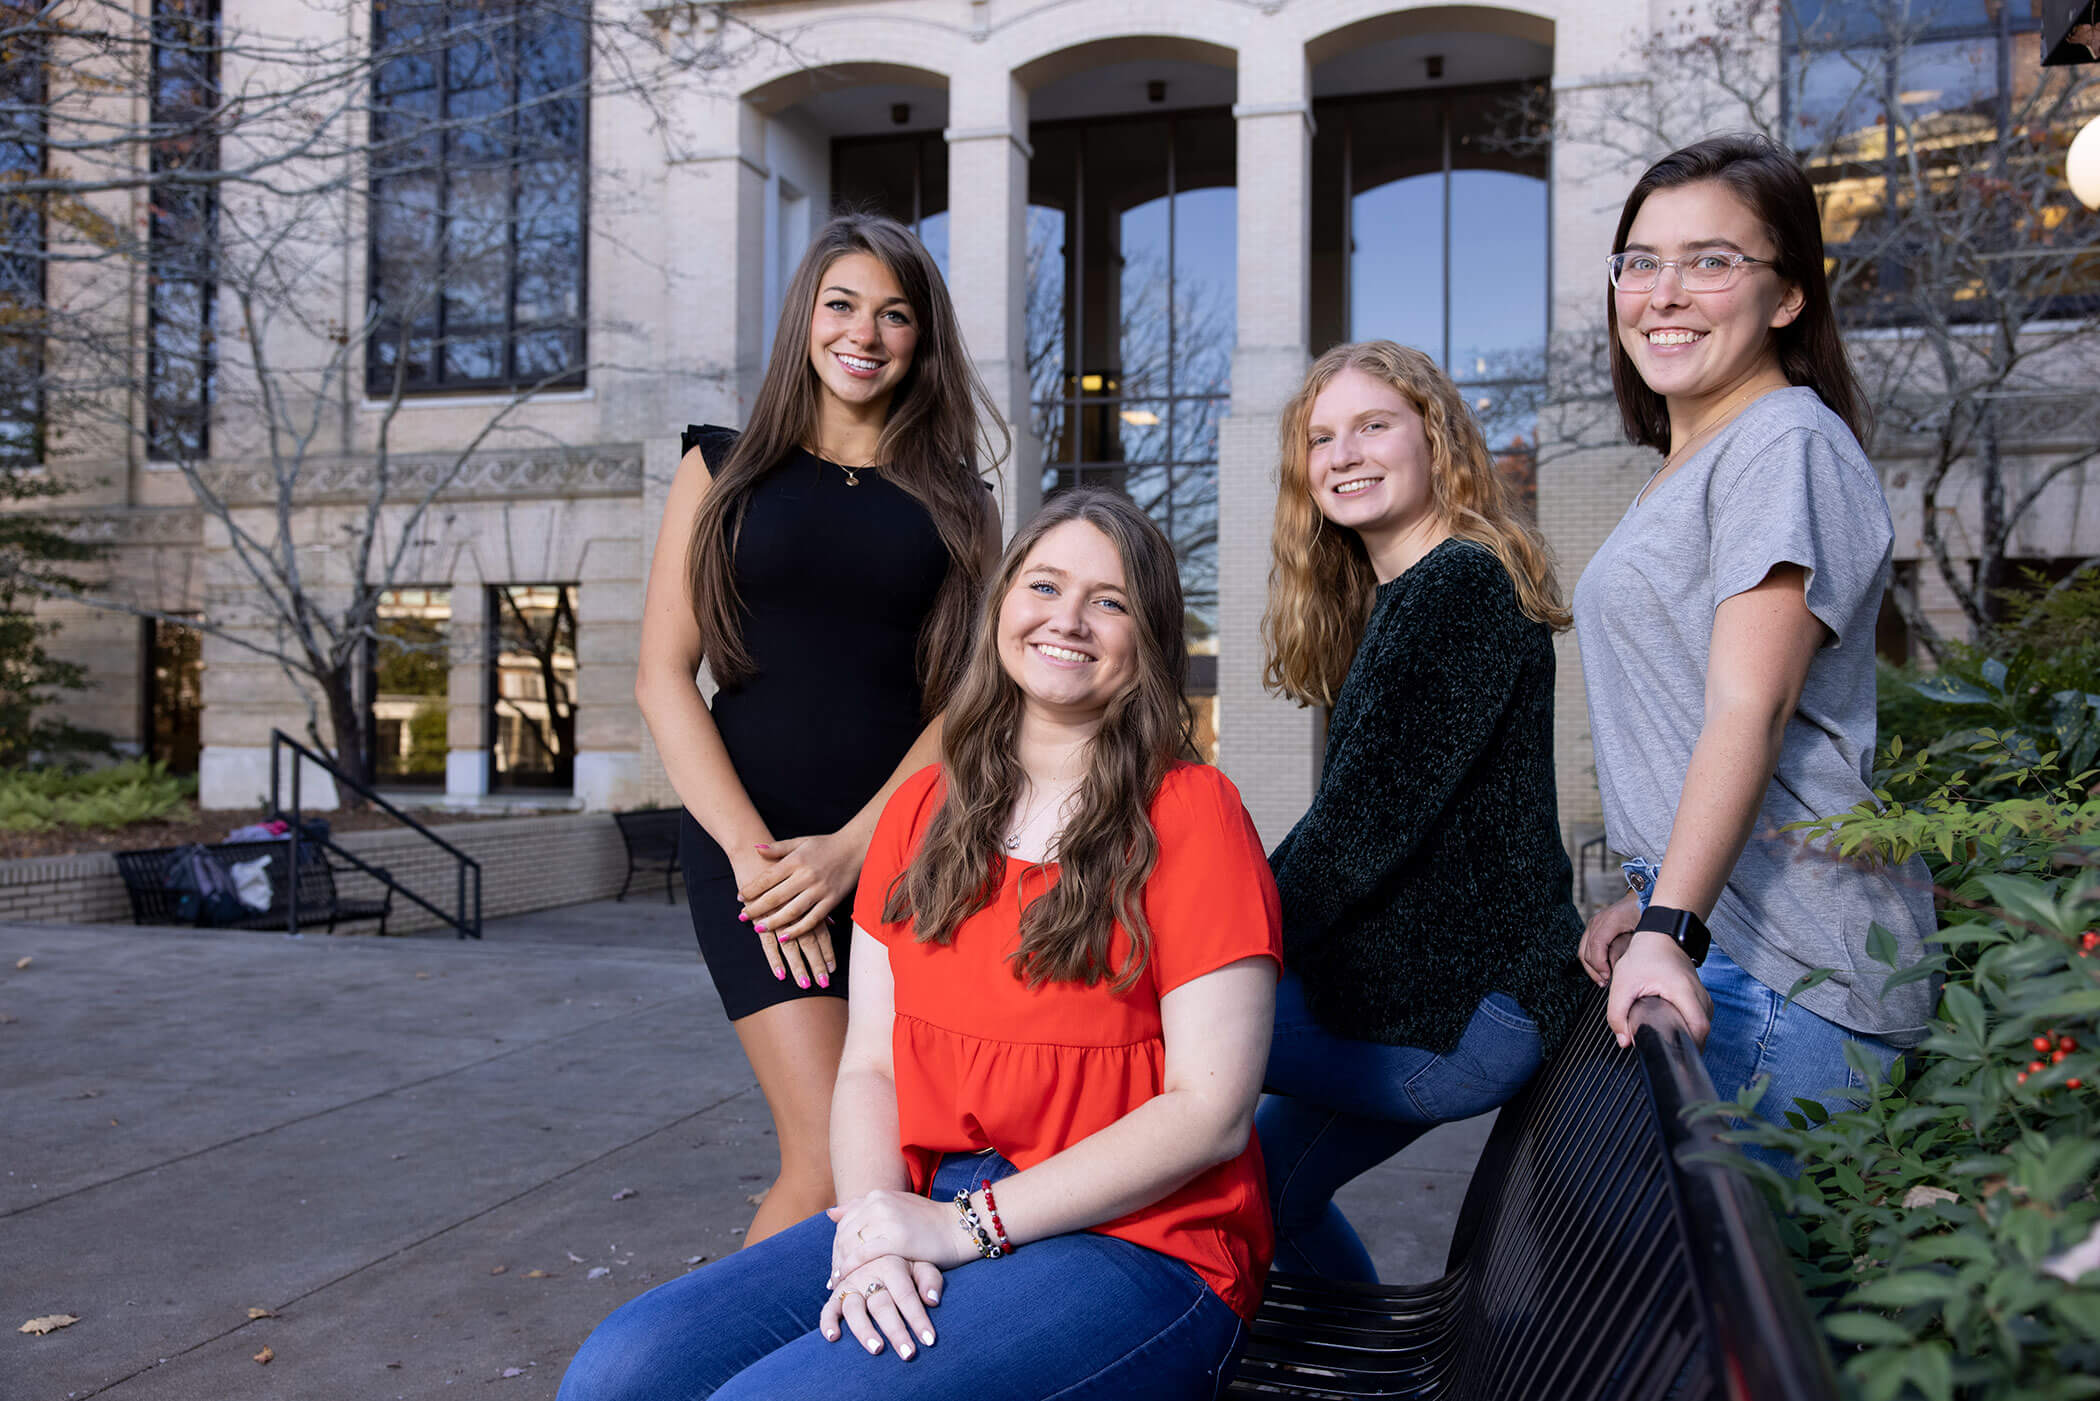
875, 1286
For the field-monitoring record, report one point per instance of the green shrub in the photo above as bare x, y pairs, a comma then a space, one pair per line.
38, 800
1926, 1221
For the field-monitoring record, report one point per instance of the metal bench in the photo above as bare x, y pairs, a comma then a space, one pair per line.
1594, 1260
154, 901
651, 835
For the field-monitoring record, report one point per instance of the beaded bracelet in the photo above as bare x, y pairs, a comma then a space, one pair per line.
987, 1248
991, 1209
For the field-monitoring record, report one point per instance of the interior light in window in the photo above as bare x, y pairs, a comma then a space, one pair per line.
1141, 418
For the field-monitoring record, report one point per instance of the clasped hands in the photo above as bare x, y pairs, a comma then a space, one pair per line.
1645, 964
886, 1261
788, 889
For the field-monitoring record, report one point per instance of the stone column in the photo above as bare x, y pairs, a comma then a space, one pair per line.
988, 157
467, 734
714, 303
1269, 747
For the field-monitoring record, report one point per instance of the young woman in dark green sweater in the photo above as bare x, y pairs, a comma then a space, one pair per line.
1429, 938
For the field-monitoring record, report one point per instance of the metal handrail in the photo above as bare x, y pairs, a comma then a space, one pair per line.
1770, 1348
467, 924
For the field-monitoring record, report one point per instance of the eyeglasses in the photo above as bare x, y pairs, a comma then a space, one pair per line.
1701, 272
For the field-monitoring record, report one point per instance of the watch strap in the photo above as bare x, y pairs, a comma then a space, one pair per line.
1682, 925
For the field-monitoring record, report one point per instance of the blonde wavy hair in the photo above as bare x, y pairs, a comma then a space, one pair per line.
1321, 585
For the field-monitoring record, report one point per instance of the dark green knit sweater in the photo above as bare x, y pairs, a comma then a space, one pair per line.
1429, 871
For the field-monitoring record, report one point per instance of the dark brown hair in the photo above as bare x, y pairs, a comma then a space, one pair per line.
1107, 850
935, 443
1772, 185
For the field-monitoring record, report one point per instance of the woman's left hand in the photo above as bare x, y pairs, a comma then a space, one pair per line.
805, 879
885, 1298
897, 1223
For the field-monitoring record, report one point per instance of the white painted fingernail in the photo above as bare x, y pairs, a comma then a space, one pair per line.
927, 1337
905, 1353
874, 1345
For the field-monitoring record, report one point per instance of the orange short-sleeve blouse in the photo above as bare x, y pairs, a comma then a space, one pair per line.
982, 1060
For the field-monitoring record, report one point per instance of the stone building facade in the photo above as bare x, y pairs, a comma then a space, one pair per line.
1151, 214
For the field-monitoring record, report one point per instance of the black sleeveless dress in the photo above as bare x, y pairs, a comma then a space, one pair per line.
836, 581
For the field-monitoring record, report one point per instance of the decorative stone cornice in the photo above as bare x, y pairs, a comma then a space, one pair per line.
138, 525
609, 471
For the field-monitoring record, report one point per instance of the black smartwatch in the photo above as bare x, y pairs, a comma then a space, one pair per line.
1682, 925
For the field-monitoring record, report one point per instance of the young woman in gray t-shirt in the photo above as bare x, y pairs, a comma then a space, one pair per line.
1727, 634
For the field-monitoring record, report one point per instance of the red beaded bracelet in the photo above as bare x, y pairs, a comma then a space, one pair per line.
991, 1209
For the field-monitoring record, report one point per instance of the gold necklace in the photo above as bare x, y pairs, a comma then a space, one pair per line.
1719, 420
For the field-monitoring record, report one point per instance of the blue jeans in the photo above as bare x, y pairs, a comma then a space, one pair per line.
1801, 1054
1338, 1108
1075, 1316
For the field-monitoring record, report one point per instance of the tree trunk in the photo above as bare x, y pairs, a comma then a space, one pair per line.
346, 720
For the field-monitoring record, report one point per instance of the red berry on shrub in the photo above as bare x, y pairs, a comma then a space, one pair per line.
2021, 1077
2035, 1067
2041, 1043
2056, 1057
2074, 1083
2068, 1043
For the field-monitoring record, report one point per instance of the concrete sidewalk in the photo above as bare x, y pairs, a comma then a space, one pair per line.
438, 1163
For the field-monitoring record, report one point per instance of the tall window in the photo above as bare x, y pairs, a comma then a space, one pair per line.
479, 171
1930, 130
532, 685
1131, 319
905, 177
1430, 229
21, 237
182, 226
411, 668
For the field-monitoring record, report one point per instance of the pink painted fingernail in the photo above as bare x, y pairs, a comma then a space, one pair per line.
744, 917
759, 927
801, 981
762, 846
780, 973
822, 981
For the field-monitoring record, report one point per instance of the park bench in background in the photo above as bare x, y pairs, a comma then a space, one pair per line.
1594, 1260
651, 836
155, 901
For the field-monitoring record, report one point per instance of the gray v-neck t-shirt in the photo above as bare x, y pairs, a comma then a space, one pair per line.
1785, 483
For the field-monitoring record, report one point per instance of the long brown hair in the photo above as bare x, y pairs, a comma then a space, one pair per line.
938, 437
1770, 182
1107, 851
1321, 585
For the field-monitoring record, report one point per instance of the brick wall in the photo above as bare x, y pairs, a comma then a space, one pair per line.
527, 863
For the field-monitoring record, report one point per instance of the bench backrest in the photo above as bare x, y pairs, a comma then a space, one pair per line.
1597, 1258
153, 902
651, 834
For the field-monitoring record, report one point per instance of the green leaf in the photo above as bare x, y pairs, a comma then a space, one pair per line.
1906, 1288
1866, 1328
1816, 978
1951, 690
1881, 946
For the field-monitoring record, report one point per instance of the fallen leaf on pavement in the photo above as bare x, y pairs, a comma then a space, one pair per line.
265, 1355
756, 1198
513, 1371
538, 1274
624, 1193
49, 1323
597, 1272
422, 975
23, 962
498, 1269
262, 1313
574, 1258
692, 1260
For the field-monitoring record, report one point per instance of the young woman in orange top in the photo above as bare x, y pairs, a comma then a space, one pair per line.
1065, 954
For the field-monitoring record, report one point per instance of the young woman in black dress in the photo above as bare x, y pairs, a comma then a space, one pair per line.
825, 564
